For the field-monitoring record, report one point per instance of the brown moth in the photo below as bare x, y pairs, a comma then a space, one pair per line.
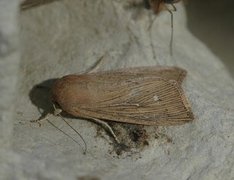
147, 96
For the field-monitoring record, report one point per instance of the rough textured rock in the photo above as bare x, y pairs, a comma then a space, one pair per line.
68, 37
9, 65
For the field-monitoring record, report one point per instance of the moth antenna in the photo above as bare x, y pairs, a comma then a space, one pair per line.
172, 32
108, 127
85, 145
57, 112
64, 133
172, 26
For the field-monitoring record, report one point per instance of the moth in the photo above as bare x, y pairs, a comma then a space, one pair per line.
144, 95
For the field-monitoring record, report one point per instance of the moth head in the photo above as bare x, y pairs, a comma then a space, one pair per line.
70, 92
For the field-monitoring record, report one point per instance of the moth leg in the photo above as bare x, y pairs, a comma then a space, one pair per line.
151, 22
57, 111
26, 4
106, 125
46, 117
96, 65
174, 8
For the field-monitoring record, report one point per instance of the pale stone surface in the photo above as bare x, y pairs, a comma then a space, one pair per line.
68, 37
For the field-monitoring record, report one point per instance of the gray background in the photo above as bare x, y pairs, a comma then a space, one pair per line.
68, 37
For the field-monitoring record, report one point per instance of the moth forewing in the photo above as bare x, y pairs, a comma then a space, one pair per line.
169, 73
130, 95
